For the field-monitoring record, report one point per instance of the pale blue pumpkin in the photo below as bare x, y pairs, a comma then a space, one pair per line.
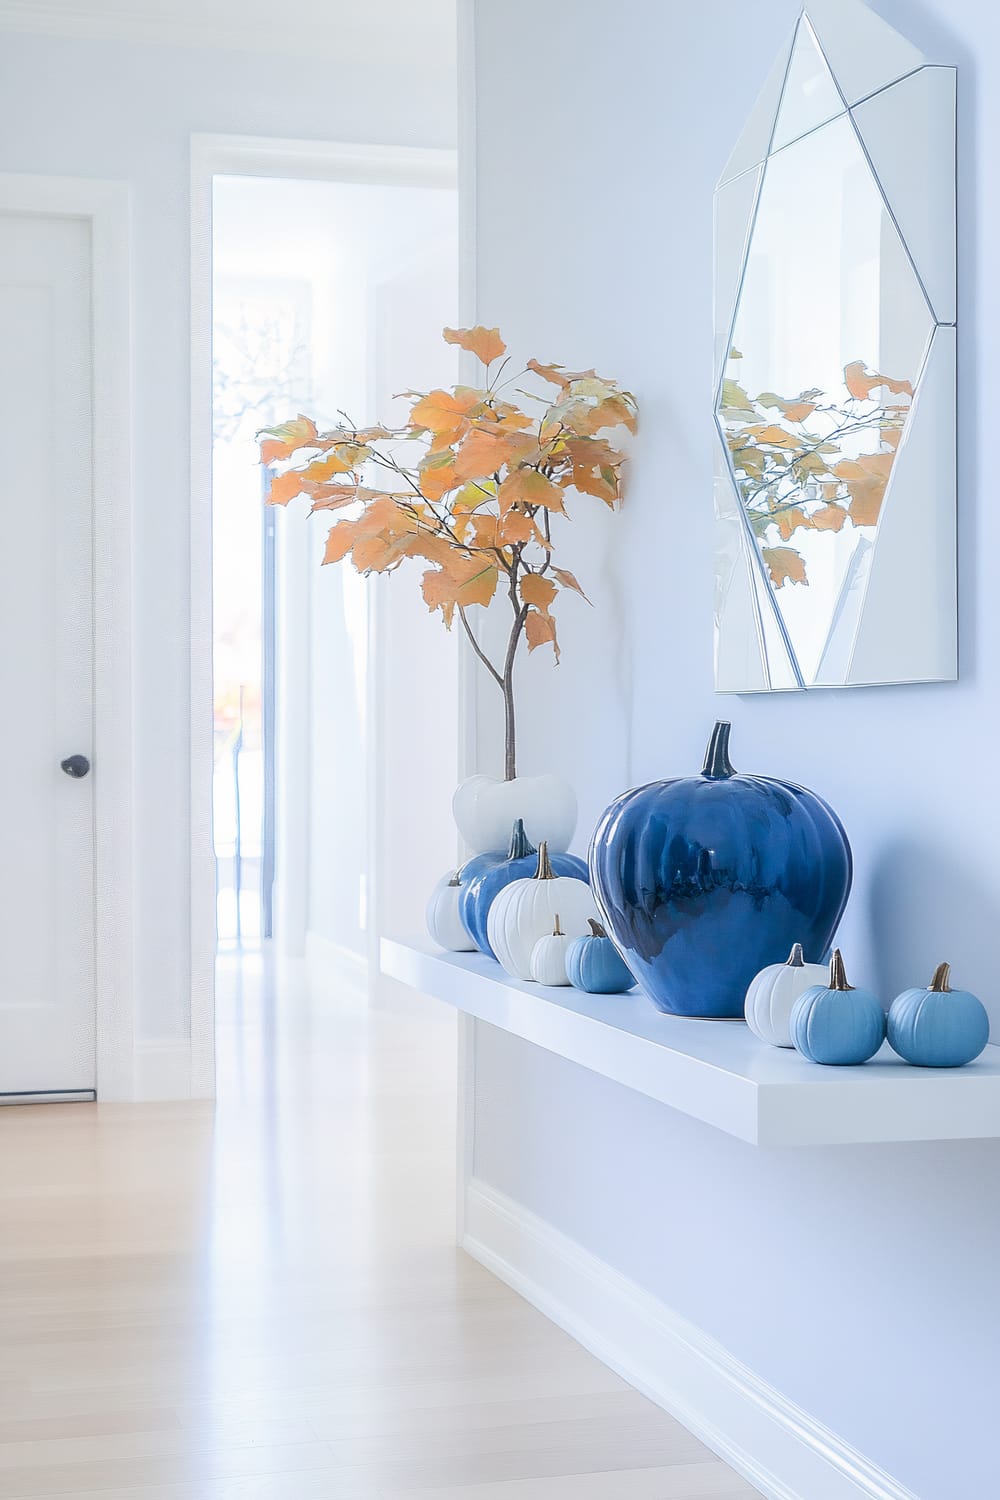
485, 875
594, 964
836, 1024
938, 1027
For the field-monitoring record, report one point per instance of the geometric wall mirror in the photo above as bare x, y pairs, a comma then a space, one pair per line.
835, 406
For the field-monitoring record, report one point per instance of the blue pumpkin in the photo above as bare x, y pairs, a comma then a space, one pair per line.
938, 1027
705, 880
485, 875
837, 1024
594, 964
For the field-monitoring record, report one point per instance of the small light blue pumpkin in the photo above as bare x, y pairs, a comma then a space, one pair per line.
836, 1024
594, 964
485, 875
938, 1027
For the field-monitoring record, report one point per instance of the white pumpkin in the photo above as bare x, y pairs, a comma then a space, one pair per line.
485, 810
773, 993
525, 911
443, 921
548, 956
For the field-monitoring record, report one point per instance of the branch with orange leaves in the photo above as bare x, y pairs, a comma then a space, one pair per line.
478, 504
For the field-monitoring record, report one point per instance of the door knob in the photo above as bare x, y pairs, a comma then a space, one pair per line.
75, 766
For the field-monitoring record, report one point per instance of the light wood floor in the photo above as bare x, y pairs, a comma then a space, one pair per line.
264, 1301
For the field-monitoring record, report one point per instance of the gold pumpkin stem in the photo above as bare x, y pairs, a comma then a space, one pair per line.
838, 976
939, 984
596, 929
796, 959
557, 930
545, 870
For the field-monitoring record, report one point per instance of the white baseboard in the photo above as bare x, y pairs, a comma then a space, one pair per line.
162, 1071
330, 960
781, 1450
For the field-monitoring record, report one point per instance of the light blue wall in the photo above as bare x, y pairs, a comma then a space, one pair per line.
859, 1282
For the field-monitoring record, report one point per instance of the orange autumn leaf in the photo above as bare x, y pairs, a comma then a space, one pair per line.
784, 565
540, 630
515, 527
568, 581
538, 590
379, 553
282, 441
485, 343
776, 437
790, 520
530, 487
285, 487
468, 580
438, 475
829, 518
445, 415
382, 516
860, 384
483, 453
557, 375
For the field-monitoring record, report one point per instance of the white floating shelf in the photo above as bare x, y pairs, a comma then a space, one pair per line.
716, 1071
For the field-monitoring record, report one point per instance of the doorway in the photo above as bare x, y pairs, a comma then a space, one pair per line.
332, 278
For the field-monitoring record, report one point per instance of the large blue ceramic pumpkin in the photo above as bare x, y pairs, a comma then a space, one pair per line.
705, 880
938, 1027
485, 875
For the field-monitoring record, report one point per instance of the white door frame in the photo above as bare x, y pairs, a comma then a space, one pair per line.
252, 156
105, 206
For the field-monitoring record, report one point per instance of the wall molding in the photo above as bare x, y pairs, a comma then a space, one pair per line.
310, 27
774, 1444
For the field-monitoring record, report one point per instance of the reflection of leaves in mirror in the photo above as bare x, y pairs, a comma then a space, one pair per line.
801, 464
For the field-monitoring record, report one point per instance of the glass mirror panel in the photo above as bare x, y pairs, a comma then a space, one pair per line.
825, 345
916, 168
810, 96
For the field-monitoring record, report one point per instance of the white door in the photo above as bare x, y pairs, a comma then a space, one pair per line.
47, 991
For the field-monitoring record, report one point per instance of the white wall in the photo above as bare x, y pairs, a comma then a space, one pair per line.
859, 1282
126, 111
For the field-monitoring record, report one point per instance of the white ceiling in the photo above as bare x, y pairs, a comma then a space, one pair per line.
355, 30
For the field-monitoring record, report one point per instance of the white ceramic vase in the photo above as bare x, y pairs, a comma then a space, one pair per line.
485, 810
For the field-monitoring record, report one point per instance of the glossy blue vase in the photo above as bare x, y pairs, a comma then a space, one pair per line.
705, 880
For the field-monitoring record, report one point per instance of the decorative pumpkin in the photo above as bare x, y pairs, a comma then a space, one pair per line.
704, 881
548, 956
837, 1024
773, 993
594, 964
443, 920
525, 910
938, 1027
486, 874
485, 808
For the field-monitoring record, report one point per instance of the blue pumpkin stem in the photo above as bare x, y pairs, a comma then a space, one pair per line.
939, 985
596, 930
520, 844
718, 766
